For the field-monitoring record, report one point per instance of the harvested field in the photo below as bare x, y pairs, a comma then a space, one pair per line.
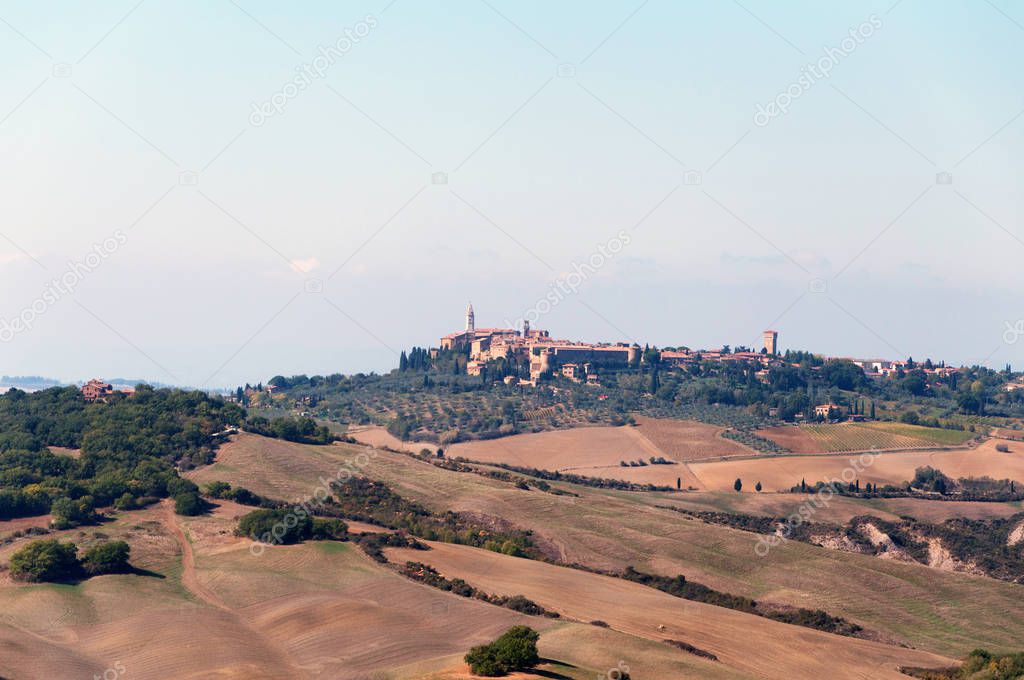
742, 642
783, 472
688, 440
587, 451
563, 450
375, 435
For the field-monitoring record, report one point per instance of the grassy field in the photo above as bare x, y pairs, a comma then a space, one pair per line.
847, 437
935, 435
949, 614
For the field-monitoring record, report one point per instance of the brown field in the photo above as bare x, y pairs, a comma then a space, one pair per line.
688, 440
783, 472
313, 610
793, 438
941, 612
744, 643
587, 451
375, 435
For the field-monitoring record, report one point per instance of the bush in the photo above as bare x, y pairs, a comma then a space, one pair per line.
189, 503
516, 650
46, 560
107, 558
1002, 448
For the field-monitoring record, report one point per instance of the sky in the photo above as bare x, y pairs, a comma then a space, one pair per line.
212, 193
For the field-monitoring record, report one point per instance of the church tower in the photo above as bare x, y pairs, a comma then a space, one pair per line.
470, 318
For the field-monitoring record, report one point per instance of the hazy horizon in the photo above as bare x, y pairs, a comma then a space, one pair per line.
254, 207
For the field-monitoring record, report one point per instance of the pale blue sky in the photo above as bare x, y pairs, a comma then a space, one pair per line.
104, 105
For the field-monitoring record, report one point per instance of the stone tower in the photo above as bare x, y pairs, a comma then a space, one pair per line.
771, 341
470, 318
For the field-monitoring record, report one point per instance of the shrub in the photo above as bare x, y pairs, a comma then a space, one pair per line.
107, 558
1002, 448
46, 560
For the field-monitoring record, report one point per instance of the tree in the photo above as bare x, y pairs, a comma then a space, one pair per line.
757, 487
738, 484
189, 503
48, 560
516, 650
107, 558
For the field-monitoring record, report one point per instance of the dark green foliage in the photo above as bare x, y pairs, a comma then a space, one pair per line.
129, 446
930, 479
516, 650
283, 526
67, 513
373, 544
302, 430
289, 525
46, 560
679, 586
371, 501
979, 665
696, 651
107, 558
189, 503
427, 574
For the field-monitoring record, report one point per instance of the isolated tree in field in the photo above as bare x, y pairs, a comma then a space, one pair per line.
738, 484
757, 487
679, 482
516, 650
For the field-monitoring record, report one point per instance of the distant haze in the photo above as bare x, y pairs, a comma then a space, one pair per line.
218, 201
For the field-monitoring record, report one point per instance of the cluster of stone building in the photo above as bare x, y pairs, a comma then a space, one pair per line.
575, 360
582, 361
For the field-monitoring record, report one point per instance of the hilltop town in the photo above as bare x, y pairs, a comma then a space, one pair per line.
583, 361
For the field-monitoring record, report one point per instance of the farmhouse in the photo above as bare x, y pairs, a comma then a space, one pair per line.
96, 390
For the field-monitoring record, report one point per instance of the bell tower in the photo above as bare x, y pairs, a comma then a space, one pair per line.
470, 318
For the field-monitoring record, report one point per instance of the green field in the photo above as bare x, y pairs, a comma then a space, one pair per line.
931, 434
838, 438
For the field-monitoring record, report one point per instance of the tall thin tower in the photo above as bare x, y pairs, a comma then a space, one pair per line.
470, 318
